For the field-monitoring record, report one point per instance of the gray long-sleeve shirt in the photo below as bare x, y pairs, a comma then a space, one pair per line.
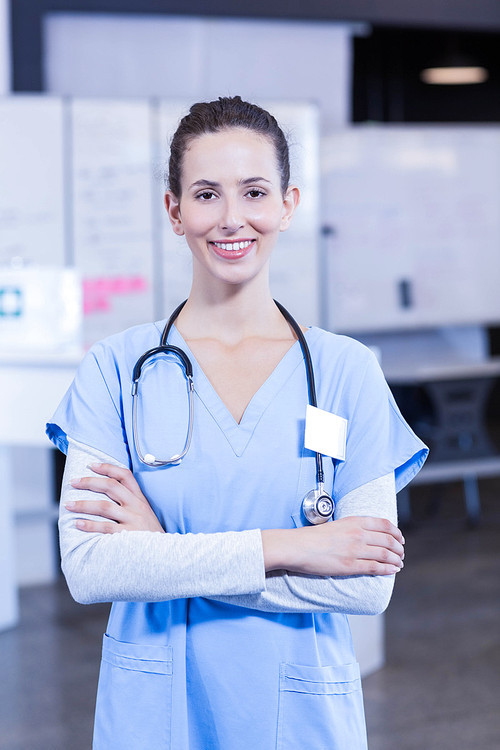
227, 566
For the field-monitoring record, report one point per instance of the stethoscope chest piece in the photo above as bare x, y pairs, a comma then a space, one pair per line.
318, 506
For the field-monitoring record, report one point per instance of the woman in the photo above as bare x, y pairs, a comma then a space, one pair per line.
228, 627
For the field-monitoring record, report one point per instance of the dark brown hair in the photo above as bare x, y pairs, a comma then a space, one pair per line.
222, 114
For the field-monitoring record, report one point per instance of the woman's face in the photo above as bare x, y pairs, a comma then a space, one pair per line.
231, 209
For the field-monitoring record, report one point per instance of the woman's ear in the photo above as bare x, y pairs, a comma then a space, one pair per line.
290, 203
172, 204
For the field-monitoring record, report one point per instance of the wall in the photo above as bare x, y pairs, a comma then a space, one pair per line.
192, 58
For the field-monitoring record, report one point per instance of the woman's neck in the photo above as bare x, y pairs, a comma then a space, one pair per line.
231, 314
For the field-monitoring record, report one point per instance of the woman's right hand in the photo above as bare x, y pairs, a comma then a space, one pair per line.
355, 545
129, 511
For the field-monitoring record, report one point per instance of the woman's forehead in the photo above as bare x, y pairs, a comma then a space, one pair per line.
233, 150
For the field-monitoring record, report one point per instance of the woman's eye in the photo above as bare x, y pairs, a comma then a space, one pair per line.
255, 193
207, 195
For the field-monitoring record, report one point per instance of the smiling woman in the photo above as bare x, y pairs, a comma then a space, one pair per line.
226, 213
228, 626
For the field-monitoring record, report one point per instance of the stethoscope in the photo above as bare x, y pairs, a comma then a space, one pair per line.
317, 505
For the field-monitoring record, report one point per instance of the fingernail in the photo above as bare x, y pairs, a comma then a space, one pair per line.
70, 504
80, 524
93, 466
74, 482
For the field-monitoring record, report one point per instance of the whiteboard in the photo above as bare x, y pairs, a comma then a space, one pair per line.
112, 214
175, 257
294, 265
31, 181
415, 213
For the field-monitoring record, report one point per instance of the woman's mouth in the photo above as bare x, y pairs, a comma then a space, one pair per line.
232, 249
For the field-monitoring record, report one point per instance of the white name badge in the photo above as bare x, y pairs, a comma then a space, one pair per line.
326, 433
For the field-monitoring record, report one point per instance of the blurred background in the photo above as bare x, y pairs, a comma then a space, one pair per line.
393, 116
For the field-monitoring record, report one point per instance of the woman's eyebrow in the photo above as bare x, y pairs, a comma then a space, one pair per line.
204, 183
249, 180
211, 184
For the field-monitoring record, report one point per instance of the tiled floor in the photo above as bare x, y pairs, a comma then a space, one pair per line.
439, 690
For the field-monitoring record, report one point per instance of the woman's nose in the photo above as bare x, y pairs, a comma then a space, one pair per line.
231, 219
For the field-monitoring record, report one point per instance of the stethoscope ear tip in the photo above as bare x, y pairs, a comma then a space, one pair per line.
149, 459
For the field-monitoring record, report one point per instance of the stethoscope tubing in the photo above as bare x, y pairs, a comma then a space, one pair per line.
165, 348
311, 384
147, 458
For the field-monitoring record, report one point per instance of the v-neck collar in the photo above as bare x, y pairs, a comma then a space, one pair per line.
238, 434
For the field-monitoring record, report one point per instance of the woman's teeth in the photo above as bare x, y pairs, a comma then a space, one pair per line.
228, 246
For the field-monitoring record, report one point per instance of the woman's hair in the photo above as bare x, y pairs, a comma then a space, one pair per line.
222, 114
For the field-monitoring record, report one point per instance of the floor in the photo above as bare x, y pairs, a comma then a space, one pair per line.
438, 691
440, 687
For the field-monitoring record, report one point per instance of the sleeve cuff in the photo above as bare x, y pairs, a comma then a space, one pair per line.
241, 563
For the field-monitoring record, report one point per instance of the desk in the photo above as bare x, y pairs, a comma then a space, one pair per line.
30, 389
460, 444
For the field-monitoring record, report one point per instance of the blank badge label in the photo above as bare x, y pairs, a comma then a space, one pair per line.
325, 433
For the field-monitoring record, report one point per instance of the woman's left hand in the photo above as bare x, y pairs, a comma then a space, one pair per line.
129, 510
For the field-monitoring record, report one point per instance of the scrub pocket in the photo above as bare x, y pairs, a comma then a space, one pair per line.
321, 707
134, 697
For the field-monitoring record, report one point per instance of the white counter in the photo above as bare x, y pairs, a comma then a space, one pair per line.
31, 386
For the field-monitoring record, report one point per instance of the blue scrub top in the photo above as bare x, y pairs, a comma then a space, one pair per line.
196, 673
